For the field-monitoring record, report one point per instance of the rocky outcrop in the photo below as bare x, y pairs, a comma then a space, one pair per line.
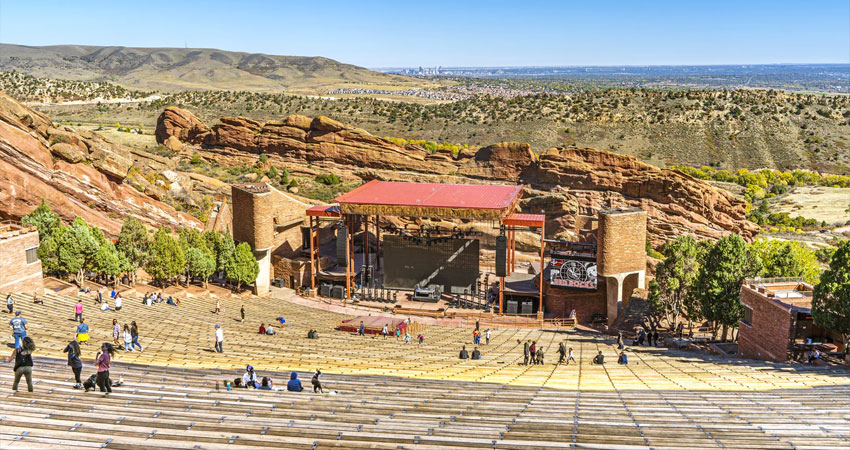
180, 123
561, 181
85, 179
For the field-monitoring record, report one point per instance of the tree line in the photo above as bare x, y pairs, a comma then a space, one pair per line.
78, 249
701, 280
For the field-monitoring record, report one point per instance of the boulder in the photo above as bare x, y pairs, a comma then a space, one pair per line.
173, 143
322, 123
111, 159
298, 121
182, 124
68, 152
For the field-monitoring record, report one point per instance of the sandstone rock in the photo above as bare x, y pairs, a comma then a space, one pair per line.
180, 123
298, 121
322, 123
113, 160
173, 143
68, 152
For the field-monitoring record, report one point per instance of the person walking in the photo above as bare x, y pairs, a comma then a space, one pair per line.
532, 352
421, 338
540, 355
385, 331
118, 301
217, 306
10, 303
134, 334
362, 330
19, 328
407, 337
219, 339
487, 336
103, 361
570, 356
116, 332
317, 385
242, 313
397, 334
655, 338
78, 311
562, 353
74, 361
128, 339
620, 344
23, 362
83, 331
525, 353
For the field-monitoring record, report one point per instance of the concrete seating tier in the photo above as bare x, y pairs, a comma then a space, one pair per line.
388, 395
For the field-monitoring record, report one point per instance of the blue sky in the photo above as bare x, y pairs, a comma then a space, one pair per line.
456, 33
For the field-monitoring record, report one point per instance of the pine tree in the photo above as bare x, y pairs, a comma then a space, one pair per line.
831, 299
44, 219
200, 263
243, 268
133, 243
108, 261
165, 258
77, 249
675, 277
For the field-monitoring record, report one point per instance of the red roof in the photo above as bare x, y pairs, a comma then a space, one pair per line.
528, 220
323, 211
434, 195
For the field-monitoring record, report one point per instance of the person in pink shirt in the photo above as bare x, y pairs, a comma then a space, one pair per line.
103, 361
78, 311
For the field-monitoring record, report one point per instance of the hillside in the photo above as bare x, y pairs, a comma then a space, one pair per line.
175, 69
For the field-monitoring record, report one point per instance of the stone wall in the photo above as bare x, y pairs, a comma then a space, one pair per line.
15, 274
768, 336
621, 241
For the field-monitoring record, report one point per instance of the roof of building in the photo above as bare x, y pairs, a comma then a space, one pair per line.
474, 201
788, 292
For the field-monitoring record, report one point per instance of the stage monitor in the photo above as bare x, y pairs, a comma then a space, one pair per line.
573, 270
447, 262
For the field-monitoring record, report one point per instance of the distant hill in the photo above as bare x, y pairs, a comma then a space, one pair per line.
175, 69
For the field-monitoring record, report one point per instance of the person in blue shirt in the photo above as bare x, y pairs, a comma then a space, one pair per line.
294, 384
19, 328
266, 384
83, 332
623, 359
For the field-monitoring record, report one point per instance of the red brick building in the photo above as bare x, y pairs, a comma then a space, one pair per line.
20, 268
777, 316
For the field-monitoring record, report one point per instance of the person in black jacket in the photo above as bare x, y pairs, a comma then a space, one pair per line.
73, 351
463, 353
476, 354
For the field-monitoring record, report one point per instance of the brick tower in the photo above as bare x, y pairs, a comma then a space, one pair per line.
621, 255
253, 222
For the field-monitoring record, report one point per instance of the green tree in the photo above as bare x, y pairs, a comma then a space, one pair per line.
787, 259
109, 262
200, 263
165, 257
831, 299
272, 173
243, 268
224, 252
675, 277
48, 251
133, 243
718, 285
189, 239
44, 219
77, 249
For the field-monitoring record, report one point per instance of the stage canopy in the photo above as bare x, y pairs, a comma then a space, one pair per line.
445, 201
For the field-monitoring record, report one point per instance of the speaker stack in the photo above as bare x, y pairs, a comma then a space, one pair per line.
341, 238
501, 254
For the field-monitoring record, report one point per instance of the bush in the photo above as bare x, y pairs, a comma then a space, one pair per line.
328, 179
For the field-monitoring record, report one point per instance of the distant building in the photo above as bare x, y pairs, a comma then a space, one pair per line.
20, 268
777, 321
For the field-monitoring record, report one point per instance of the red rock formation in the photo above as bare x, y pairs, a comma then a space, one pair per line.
86, 181
584, 179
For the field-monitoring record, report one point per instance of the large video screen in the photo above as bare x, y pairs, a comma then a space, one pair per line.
570, 270
447, 262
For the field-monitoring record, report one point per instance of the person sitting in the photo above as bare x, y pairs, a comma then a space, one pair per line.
294, 384
237, 382
262, 328
623, 359
250, 378
814, 356
312, 334
476, 354
37, 300
599, 358
105, 306
317, 385
270, 330
463, 353
265, 384
170, 301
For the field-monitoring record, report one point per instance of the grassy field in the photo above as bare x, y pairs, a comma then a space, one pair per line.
817, 202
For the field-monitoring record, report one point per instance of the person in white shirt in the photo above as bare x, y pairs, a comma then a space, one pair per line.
219, 338
250, 378
487, 336
118, 302
128, 339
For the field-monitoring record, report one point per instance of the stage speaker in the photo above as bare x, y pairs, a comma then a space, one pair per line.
526, 308
501, 255
341, 238
325, 290
512, 307
305, 238
338, 292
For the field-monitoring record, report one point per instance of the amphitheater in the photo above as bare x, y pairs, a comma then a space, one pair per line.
383, 394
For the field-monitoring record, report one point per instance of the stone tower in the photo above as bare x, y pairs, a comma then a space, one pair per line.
253, 222
621, 255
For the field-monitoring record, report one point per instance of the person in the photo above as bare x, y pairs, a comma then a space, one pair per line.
23, 362
217, 306
10, 303
476, 325
620, 344
362, 330
641, 336
397, 334
128, 339
570, 356
655, 339
525, 353
98, 298
487, 336
249, 379
242, 312
623, 359
264, 385
134, 334
37, 300
463, 353
113, 293
118, 302
219, 339
814, 356
421, 338
407, 337
294, 384
116, 331
476, 336
385, 331
540, 355
270, 331
103, 360
475, 353
73, 351
532, 352
317, 385
104, 306
78, 311
83, 331
262, 328
599, 358
679, 329
19, 328
171, 302
562, 353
